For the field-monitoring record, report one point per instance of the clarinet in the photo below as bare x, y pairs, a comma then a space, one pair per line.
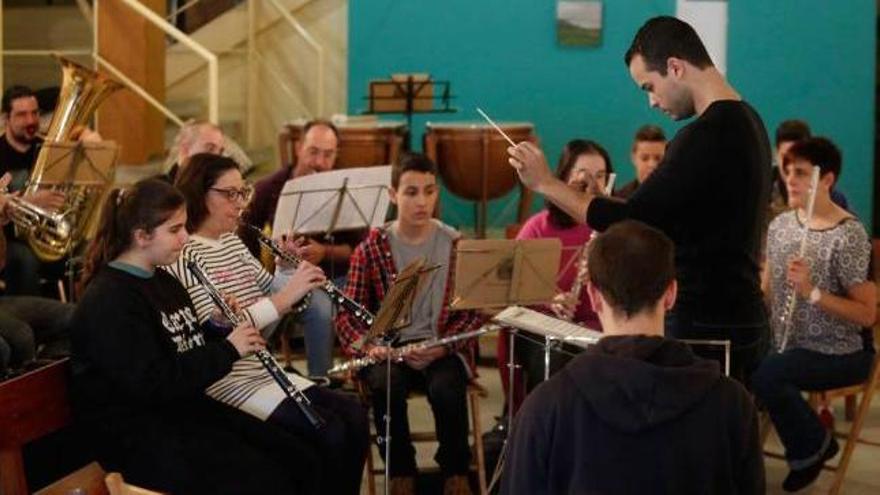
268, 362
336, 295
401, 352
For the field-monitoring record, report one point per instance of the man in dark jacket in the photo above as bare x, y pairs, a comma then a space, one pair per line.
637, 412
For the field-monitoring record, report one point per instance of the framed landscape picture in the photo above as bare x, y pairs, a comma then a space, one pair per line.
579, 22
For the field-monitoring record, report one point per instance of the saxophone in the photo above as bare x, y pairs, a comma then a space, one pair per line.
560, 309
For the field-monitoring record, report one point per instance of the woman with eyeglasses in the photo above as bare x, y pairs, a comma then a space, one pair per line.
216, 194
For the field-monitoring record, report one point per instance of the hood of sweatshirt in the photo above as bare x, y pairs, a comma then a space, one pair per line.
636, 382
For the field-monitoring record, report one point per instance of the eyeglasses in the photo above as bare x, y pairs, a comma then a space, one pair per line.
232, 194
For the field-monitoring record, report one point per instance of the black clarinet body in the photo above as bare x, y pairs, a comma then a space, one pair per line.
266, 359
336, 295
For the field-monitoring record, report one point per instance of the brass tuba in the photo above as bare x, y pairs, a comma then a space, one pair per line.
82, 90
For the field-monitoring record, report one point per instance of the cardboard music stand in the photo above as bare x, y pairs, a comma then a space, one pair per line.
88, 164
492, 273
80, 163
395, 312
337, 200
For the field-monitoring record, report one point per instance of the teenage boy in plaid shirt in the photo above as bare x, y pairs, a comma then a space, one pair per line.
443, 372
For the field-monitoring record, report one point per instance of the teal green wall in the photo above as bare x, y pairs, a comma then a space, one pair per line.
812, 59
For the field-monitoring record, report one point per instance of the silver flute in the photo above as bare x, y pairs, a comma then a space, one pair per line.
791, 298
268, 361
398, 353
336, 295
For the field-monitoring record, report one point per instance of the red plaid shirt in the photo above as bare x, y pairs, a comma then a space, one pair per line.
370, 275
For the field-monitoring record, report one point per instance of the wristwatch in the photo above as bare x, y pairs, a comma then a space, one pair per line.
815, 295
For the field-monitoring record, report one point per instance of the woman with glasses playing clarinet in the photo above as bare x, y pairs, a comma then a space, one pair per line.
141, 365
216, 194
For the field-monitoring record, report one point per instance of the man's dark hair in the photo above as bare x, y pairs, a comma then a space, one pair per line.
412, 162
319, 122
570, 154
649, 133
631, 264
663, 37
819, 151
792, 130
14, 93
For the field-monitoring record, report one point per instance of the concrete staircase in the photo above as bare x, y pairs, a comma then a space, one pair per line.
63, 26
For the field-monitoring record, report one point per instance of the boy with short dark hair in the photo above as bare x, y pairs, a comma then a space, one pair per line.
443, 372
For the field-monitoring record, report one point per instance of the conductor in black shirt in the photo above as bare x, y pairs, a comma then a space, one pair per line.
708, 194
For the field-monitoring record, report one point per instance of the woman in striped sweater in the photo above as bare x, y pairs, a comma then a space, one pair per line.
216, 194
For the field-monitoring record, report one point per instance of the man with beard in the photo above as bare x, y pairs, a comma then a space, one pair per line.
19, 146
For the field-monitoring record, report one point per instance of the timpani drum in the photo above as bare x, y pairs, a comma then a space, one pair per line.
361, 144
473, 161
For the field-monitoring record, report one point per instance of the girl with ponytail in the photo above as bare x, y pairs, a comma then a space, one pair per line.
142, 363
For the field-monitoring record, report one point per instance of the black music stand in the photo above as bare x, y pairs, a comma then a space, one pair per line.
408, 94
395, 313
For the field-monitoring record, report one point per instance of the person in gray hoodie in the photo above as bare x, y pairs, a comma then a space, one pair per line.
637, 412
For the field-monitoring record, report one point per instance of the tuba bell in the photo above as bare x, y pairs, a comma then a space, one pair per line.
82, 90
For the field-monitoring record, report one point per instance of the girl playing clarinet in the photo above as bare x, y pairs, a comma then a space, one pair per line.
141, 364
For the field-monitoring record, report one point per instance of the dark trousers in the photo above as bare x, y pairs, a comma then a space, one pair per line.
215, 449
445, 382
748, 343
22, 272
28, 322
778, 383
343, 442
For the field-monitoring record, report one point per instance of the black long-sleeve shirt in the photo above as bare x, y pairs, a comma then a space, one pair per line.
709, 195
139, 353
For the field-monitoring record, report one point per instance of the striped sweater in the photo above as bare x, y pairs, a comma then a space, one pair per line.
234, 271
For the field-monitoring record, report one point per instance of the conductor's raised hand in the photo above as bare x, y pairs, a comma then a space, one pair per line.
531, 165
246, 339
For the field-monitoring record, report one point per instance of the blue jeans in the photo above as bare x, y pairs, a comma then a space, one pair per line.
317, 322
778, 383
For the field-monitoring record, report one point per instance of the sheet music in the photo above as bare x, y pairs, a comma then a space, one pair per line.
536, 322
307, 203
